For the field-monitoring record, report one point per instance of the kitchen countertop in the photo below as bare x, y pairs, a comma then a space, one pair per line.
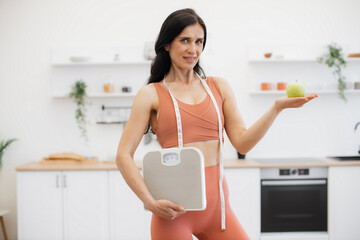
228, 163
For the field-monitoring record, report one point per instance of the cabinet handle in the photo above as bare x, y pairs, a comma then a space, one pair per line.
57, 181
65, 181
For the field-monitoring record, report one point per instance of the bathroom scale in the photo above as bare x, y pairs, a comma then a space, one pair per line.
177, 175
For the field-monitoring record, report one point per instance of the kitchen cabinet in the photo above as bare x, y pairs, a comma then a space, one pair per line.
129, 219
68, 205
100, 205
96, 203
244, 188
39, 205
79, 205
344, 202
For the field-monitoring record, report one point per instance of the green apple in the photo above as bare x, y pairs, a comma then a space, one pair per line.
295, 89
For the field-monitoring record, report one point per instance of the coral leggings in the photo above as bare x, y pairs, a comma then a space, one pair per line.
205, 225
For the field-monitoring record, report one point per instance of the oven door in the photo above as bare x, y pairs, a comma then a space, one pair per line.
293, 205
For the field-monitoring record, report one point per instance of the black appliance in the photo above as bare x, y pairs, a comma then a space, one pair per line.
293, 199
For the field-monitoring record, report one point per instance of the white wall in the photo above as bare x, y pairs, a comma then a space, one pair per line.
43, 125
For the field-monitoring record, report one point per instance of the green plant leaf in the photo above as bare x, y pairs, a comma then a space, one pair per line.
334, 59
78, 95
3, 145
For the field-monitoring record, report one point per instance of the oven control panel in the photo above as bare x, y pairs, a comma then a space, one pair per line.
294, 171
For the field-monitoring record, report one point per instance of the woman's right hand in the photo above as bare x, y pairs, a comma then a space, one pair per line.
166, 209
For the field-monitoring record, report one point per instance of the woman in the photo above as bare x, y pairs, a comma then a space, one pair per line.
175, 70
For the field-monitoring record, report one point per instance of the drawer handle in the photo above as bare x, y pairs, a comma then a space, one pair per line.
65, 181
293, 182
57, 181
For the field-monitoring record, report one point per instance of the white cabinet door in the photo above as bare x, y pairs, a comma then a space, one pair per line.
244, 187
129, 219
39, 205
86, 208
344, 202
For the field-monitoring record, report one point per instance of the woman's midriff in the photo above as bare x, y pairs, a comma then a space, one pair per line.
210, 150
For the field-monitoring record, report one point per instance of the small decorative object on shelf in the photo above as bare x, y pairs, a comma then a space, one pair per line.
3, 145
354, 55
267, 55
334, 59
126, 89
279, 56
149, 50
116, 57
78, 95
80, 59
281, 86
266, 86
108, 85
357, 85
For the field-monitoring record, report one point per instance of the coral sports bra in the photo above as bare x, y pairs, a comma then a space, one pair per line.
199, 121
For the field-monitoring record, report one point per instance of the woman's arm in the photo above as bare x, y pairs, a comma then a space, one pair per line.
139, 118
244, 139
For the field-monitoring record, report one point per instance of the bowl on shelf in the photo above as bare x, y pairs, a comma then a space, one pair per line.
267, 55
80, 59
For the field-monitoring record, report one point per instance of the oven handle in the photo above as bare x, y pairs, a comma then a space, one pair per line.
293, 182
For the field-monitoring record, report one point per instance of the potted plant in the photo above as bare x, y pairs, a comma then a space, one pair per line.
78, 95
334, 58
3, 145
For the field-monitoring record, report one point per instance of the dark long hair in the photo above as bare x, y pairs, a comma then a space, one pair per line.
173, 25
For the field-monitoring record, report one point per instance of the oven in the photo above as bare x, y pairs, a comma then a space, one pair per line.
293, 199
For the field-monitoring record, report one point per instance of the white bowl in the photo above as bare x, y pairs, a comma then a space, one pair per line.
80, 59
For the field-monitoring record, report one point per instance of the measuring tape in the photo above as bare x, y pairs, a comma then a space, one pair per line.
180, 141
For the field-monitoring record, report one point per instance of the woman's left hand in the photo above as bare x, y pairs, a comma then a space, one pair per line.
293, 102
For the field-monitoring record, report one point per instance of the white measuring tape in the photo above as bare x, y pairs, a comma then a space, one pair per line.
180, 141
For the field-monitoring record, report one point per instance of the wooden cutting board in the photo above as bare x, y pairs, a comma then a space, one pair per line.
69, 161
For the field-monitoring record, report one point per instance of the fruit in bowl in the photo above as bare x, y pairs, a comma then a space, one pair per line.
295, 89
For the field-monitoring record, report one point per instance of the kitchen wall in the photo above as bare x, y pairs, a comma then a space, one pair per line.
44, 125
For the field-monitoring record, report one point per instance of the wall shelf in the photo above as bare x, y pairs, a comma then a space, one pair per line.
120, 65
294, 60
100, 95
295, 53
290, 62
67, 64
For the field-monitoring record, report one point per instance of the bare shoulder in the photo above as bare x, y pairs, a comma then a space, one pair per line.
219, 81
147, 96
147, 90
223, 85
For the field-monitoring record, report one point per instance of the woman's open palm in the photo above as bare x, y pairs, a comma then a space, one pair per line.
293, 102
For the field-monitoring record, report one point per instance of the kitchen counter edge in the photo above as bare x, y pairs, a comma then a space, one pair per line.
228, 163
